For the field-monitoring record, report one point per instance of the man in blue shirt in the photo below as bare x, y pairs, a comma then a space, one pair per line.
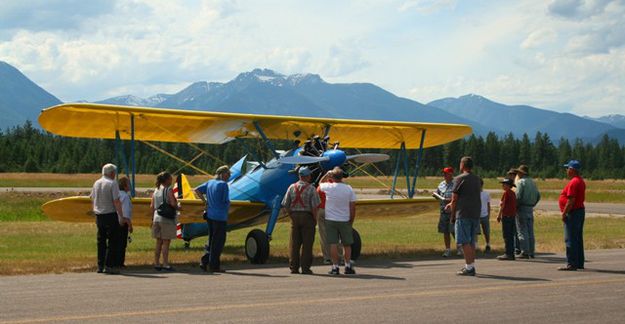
217, 202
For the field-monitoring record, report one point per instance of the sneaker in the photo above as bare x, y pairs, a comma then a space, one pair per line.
487, 249
447, 253
523, 256
327, 261
334, 271
568, 267
517, 252
100, 270
204, 267
505, 257
168, 268
460, 253
466, 272
532, 256
349, 271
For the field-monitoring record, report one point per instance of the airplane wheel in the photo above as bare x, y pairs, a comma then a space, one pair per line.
257, 247
356, 247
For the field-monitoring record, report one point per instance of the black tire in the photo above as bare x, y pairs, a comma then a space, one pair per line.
257, 247
357, 246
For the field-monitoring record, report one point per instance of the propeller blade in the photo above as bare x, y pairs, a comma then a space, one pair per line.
299, 159
368, 157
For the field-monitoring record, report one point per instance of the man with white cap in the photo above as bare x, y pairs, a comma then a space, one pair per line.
301, 202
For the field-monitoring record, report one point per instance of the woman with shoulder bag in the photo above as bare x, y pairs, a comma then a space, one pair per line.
164, 207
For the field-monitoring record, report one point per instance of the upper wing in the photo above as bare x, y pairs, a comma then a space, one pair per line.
173, 125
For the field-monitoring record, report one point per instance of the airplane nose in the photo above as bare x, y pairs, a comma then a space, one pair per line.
337, 158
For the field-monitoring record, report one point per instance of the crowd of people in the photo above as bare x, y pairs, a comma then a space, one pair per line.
465, 210
465, 214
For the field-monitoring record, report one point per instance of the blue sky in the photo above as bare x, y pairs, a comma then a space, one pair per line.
565, 55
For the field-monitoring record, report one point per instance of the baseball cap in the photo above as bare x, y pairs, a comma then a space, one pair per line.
508, 181
304, 171
448, 170
573, 164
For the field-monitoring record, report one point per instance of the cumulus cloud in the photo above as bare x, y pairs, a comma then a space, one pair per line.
539, 37
558, 54
50, 14
427, 6
578, 9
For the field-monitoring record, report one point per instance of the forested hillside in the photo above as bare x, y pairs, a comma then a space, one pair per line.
28, 149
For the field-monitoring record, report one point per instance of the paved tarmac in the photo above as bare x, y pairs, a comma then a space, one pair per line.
382, 291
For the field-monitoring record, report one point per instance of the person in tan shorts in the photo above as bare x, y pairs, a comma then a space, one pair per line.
163, 228
321, 223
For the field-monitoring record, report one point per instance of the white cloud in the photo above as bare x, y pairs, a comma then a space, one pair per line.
539, 37
427, 6
563, 54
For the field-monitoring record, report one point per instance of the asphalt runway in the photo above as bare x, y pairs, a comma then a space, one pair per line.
382, 291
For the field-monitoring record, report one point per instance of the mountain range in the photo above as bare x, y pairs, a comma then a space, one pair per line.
264, 91
20, 98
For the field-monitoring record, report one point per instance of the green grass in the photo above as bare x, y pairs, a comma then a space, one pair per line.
39, 247
20, 207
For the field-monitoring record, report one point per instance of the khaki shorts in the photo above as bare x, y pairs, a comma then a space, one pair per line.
164, 231
339, 230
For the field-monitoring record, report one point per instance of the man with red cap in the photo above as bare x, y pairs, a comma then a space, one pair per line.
443, 194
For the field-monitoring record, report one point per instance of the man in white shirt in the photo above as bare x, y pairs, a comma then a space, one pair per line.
107, 208
340, 213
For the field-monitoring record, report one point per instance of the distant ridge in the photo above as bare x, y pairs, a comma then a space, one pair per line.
263, 91
520, 119
20, 98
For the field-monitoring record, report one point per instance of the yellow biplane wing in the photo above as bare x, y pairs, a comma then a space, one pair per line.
187, 126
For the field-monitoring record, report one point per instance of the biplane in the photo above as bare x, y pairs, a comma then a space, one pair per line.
256, 187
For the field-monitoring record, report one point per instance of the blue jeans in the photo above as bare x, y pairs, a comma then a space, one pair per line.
507, 227
466, 230
574, 237
525, 229
215, 244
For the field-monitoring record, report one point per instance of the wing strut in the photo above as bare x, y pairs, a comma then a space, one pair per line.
267, 141
411, 184
133, 164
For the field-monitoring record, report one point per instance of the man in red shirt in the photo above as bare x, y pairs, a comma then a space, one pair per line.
573, 215
507, 217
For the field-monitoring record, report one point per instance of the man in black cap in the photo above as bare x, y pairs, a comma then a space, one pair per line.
507, 218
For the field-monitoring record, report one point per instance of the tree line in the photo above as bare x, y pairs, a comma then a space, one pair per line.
29, 149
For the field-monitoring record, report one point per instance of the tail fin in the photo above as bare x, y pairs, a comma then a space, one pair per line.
182, 188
